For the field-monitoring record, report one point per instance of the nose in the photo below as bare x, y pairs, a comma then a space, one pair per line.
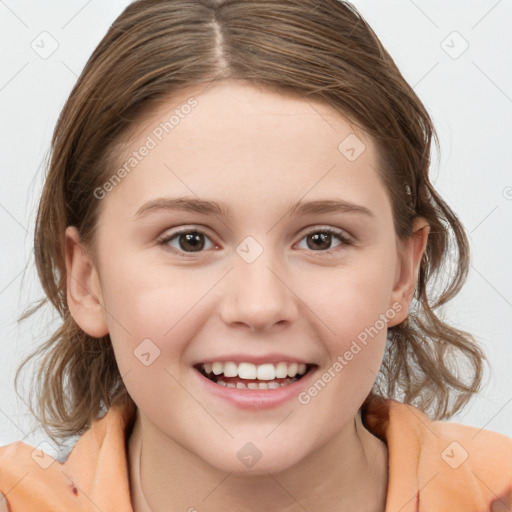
258, 294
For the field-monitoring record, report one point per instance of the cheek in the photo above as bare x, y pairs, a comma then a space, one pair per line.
353, 297
155, 305
151, 323
354, 333
353, 304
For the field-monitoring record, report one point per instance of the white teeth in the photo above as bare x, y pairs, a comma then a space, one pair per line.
255, 385
281, 370
217, 368
246, 371
250, 371
230, 369
266, 372
292, 369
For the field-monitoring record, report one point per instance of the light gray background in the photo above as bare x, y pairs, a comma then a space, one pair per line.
469, 97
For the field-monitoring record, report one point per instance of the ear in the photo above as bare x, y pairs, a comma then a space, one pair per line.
84, 297
407, 269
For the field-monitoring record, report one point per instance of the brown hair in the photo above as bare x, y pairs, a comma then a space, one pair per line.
323, 50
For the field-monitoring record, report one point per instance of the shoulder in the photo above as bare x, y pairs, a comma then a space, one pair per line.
26, 471
447, 465
473, 464
15, 463
17, 457
457, 444
410, 425
94, 472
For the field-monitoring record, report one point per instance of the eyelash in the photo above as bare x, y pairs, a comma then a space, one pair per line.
345, 240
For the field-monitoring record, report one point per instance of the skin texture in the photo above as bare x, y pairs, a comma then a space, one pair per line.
258, 151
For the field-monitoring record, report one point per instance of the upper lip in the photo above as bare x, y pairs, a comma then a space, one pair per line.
255, 359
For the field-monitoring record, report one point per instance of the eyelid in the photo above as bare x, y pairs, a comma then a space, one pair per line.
319, 227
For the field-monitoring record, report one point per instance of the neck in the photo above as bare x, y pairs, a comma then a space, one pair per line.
166, 477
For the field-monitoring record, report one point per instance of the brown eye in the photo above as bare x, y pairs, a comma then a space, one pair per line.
190, 241
321, 240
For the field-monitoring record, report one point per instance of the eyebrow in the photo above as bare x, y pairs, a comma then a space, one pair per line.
222, 209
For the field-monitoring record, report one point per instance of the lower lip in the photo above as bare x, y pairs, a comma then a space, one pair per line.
257, 398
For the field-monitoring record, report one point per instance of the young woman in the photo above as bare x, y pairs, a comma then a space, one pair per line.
239, 231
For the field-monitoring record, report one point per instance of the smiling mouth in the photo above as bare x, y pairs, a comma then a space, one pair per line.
250, 376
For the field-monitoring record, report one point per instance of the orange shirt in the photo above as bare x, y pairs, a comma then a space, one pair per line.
434, 466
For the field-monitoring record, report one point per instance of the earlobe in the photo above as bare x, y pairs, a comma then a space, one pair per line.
408, 268
83, 287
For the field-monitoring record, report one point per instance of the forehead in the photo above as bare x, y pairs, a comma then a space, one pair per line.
237, 141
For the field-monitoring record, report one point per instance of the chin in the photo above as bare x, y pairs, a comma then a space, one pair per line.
251, 459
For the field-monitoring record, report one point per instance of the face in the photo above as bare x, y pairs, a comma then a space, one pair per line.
253, 237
